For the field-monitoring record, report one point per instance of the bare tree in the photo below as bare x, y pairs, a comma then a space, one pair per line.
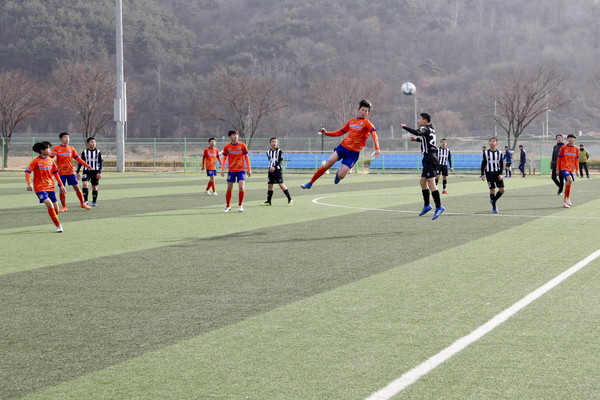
523, 95
21, 97
241, 101
87, 89
340, 96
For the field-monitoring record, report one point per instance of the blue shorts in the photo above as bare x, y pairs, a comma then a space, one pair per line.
71, 179
236, 176
348, 157
46, 195
211, 172
566, 173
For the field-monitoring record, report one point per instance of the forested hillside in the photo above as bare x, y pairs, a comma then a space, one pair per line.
444, 46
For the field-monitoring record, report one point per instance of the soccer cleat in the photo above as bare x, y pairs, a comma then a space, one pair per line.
307, 185
565, 205
444, 191
87, 203
240, 208
426, 209
64, 209
59, 229
214, 193
336, 180
438, 212
559, 192
266, 203
226, 209
568, 201
85, 206
94, 204
495, 209
207, 192
290, 202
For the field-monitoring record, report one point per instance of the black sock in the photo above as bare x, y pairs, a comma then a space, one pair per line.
287, 194
498, 195
492, 197
94, 195
425, 197
437, 180
85, 193
269, 195
436, 198
445, 182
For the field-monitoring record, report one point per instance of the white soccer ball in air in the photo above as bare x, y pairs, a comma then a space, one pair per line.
408, 88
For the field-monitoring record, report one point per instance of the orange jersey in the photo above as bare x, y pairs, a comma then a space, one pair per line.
210, 157
43, 168
64, 158
568, 159
358, 130
236, 154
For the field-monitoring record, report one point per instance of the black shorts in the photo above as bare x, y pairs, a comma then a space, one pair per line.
493, 181
430, 166
508, 164
442, 170
91, 176
275, 177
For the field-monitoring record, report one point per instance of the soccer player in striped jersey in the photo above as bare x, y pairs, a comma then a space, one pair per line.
426, 136
358, 130
237, 154
275, 156
65, 155
43, 168
444, 159
491, 167
209, 159
567, 165
93, 157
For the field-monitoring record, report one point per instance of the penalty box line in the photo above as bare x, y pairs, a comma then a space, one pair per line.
427, 366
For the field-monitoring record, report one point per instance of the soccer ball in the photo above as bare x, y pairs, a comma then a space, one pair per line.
408, 88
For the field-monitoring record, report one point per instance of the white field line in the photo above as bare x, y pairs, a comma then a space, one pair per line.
319, 201
427, 366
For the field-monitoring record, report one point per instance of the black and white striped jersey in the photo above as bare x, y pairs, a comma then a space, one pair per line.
444, 157
493, 161
275, 158
426, 135
93, 158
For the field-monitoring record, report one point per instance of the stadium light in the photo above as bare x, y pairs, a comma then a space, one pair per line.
120, 108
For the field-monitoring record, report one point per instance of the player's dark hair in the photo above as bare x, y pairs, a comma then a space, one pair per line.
90, 139
60, 135
364, 103
560, 134
571, 135
232, 132
445, 139
272, 139
494, 137
520, 145
39, 146
426, 116
212, 138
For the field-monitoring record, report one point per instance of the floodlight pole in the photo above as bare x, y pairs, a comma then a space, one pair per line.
120, 108
416, 118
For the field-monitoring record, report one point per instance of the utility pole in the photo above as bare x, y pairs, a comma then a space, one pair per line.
120, 109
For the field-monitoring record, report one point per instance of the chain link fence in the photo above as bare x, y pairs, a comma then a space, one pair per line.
185, 154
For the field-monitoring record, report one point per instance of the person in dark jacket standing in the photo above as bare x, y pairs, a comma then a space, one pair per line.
508, 154
557, 177
522, 160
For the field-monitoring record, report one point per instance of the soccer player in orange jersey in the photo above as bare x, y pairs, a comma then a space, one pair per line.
209, 159
65, 155
43, 168
358, 130
236, 154
567, 164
